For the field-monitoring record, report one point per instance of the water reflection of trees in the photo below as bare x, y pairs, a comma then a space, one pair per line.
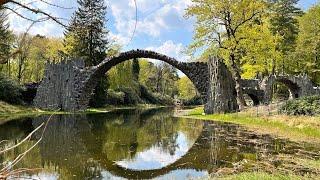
73, 144
84, 146
124, 134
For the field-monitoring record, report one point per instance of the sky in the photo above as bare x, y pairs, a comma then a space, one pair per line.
161, 25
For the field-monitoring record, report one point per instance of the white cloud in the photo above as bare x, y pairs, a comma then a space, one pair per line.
171, 49
155, 17
157, 157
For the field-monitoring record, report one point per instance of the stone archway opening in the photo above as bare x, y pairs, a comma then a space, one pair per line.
252, 99
284, 89
148, 81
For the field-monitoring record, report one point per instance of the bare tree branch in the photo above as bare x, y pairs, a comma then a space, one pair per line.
55, 5
37, 11
34, 10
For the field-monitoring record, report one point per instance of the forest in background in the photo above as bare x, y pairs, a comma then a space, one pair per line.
254, 38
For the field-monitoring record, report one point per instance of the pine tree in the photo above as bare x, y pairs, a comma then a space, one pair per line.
86, 37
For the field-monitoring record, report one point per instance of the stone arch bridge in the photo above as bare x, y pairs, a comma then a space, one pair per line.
69, 85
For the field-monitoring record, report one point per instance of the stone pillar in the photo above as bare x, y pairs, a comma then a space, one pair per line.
59, 87
221, 94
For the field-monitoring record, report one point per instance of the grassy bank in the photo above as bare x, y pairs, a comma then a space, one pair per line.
263, 176
296, 128
9, 112
112, 107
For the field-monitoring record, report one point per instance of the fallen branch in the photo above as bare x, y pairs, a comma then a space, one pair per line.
5, 172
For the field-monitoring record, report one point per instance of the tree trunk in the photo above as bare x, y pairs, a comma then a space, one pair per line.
237, 78
273, 67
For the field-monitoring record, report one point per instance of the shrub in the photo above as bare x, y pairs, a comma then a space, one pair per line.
196, 100
10, 90
115, 98
130, 96
308, 106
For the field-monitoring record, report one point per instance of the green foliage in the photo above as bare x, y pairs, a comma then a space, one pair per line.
32, 53
86, 35
10, 90
196, 100
186, 88
5, 37
284, 23
135, 69
99, 97
308, 106
308, 44
231, 30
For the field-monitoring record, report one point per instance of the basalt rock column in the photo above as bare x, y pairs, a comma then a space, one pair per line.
221, 94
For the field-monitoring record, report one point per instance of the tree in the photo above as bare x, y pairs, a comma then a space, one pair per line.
284, 23
5, 38
15, 5
219, 26
86, 37
186, 88
135, 69
23, 44
308, 44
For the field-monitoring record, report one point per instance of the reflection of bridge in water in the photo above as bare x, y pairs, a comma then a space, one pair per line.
186, 161
216, 146
87, 142
81, 146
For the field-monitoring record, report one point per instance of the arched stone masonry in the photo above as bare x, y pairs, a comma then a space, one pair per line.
69, 85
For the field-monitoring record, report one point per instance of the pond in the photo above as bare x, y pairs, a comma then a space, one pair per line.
143, 144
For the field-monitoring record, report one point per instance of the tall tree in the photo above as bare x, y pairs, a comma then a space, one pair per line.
135, 69
284, 22
86, 37
308, 44
5, 37
221, 25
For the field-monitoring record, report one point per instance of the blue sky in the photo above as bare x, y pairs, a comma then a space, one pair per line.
161, 24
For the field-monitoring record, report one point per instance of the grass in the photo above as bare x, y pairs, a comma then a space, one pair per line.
263, 176
112, 107
9, 112
297, 128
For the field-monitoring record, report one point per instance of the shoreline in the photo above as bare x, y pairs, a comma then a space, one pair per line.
295, 128
10, 112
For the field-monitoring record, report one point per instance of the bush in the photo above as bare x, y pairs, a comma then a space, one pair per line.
115, 98
308, 106
147, 96
196, 100
10, 90
123, 96
130, 96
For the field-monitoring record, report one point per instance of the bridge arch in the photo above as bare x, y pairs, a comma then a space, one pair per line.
197, 72
298, 86
293, 87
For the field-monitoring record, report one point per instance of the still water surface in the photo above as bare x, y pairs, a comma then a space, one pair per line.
136, 144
